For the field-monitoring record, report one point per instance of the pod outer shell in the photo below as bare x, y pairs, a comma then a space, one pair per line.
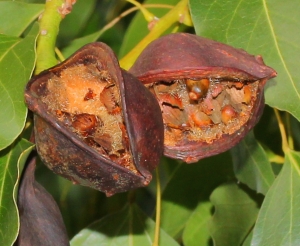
41, 222
67, 155
182, 56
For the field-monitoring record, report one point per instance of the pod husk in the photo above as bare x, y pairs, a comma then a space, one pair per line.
67, 155
182, 56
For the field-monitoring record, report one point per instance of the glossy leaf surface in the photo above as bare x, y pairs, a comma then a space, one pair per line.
251, 164
24, 14
129, 226
189, 185
12, 160
278, 220
17, 57
196, 230
235, 214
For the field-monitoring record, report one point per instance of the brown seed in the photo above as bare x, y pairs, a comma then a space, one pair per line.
84, 123
197, 88
228, 113
201, 119
247, 94
108, 98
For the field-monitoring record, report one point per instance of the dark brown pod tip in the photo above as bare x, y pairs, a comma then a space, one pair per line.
96, 124
41, 222
211, 94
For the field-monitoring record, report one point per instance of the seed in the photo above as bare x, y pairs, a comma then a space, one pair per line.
201, 119
197, 88
108, 98
227, 114
84, 123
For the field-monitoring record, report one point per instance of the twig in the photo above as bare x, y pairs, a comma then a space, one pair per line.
55, 11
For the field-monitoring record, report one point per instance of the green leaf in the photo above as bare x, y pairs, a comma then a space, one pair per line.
247, 241
17, 57
235, 214
12, 160
189, 185
75, 22
278, 220
196, 230
15, 17
138, 27
129, 226
251, 164
269, 28
79, 42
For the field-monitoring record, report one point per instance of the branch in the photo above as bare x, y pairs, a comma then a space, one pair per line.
55, 11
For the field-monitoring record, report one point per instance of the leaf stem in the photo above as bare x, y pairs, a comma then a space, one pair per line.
160, 27
289, 130
285, 145
158, 209
49, 27
59, 54
147, 14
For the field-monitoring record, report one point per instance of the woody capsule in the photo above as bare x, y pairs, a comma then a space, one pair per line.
94, 123
210, 94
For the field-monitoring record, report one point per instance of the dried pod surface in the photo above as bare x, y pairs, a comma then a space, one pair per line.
41, 222
210, 94
94, 122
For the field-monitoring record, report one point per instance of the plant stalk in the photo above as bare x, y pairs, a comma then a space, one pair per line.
49, 27
158, 209
285, 144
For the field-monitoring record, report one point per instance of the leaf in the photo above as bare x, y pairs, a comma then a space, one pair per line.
235, 214
15, 17
12, 160
278, 220
269, 28
129, 226
17, 57
74, 23
251, 165
79, 42
196, 230
247, 241
189, 185
138, 27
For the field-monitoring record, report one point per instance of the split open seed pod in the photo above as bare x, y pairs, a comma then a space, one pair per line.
94, 123
210, 94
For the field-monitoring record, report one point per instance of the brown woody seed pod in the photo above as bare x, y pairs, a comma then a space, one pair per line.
96, 124
205, 76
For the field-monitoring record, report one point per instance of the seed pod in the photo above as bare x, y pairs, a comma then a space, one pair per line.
206, 76
96, 124
41, 222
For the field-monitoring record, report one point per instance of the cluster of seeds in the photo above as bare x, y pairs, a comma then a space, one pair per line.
87, 101
203, 109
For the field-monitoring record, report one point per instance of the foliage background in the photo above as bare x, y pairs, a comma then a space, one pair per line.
246, 196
